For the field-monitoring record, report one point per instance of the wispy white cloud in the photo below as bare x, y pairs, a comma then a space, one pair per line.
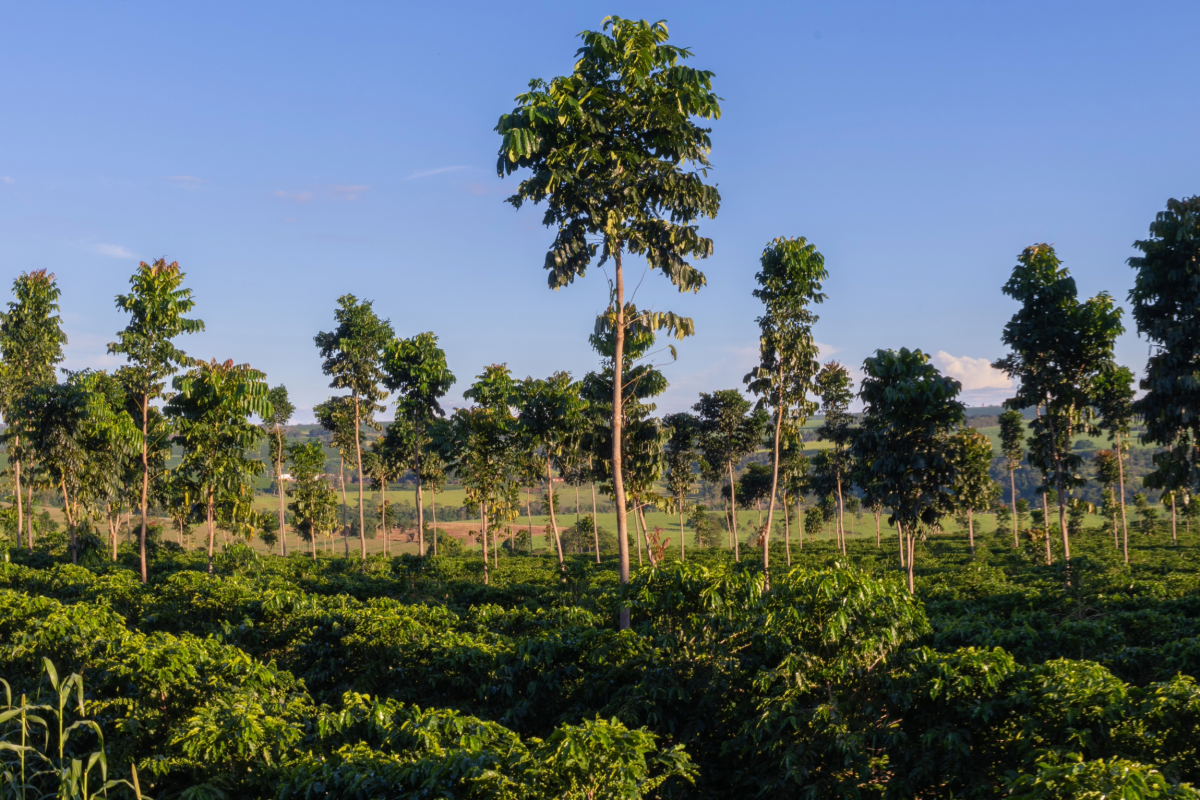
111, 250
349, 192
425, 173
972, 373
6, 179
297, 197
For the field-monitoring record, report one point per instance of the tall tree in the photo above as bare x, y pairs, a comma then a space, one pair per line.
836, 391
415, 369
789, 279
972, 487
281, 414
1108, 476
478, 444
31, 343
156, 306
1113, 397
910, 412
616, 154
314, 505
549, 415
353, 353
1058, 346
336, 415
1165, 295
211, 410
728, 433
681, 456
1012, 436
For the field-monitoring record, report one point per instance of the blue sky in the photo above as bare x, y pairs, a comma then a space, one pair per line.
286, 154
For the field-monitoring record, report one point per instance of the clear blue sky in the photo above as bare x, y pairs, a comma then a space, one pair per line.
286, 154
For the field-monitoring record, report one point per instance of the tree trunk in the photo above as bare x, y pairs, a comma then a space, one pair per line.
279, 482
800, 522
578, 541
433, 507
682, 553
900, 541
595, 530
617, 426
787, 528
342, 480
17, 488
211, 532
1124, 521
420, 499
529, 518
362, 531
146, 492
878, 535
562, 566
1046, 527
774, 487
483, 539
637, 531
70, 520
1174, 536
387, 529
1012, 480
1112, 496
733, 515
841, 516
912, 554
971, 530
641, 512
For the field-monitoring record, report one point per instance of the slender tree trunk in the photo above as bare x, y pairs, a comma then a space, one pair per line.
971, 530
1124, 521
682, 552
878, 535
29, 511
774, 488
787, 527
641, 511
728, 526
211, 532
637, 531
70, 520
433, 506
420, 500
618, 425
146, 492
562, 566
595, 530
345, 507
841, 517
1012, 480
112, 530
362, 531
733, 512
484, 539
912, 555
387, 529
900, 541
1046, 525
529, 519
1112, 496
17, 488
1174, 536
801, 524
578, 541
279, 483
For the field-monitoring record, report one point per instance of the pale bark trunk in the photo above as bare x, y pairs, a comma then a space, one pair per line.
841, 517
529, 518
878, 534
17, 488
342, 480
641, 512
70, 520
387, 529
787, 529
1124, 521
1046, 526
420, 500
595, 530
1174, 535
618, 425
912, 554
733, 515
146, 492
900, 541
1012, 480
637, 532
433, 507
1112, 495
971, 531
362, 531
279, 483
801, 524
484, 539
211, 533
578, 541
682, 552
562, 567
774, 488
